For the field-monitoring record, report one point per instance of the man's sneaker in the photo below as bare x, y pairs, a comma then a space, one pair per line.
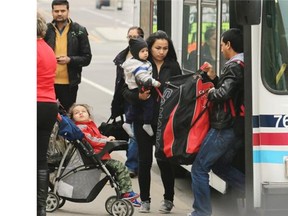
130, 195
166, 206
136, 203
145, 207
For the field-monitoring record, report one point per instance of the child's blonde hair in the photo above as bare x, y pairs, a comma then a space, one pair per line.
86, 106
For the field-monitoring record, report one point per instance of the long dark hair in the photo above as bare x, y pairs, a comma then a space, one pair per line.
162, 35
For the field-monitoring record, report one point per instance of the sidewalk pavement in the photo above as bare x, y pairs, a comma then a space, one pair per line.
109, 33
182, 202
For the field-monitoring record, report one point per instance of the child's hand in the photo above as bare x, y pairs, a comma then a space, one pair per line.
111, 138
156, 83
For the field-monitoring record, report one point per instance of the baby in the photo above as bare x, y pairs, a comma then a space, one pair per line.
138, 77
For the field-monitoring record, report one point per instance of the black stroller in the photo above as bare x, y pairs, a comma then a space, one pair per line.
80, 175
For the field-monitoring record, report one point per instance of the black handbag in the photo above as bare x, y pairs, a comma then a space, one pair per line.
114, 128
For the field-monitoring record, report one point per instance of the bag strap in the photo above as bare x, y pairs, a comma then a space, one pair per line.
200, 114
241, 112
114, 119
203, 111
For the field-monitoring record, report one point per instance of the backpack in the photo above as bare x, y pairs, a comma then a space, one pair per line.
183, 120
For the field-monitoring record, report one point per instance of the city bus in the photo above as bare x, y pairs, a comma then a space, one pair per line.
265, 28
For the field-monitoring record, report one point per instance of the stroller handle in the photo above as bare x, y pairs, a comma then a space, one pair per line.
113, 146
110, 146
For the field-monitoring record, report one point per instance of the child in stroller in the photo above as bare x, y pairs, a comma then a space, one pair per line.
80, 114
78, 177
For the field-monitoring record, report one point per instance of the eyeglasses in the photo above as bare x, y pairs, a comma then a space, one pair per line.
132, 36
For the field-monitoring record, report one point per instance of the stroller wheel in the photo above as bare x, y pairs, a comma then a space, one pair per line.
61, 202
52, 202
109, 202
120, 208
130, 207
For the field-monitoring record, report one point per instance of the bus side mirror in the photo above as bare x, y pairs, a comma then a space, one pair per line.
247, 12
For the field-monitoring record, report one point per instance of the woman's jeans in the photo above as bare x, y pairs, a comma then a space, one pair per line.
216, 152
132, 156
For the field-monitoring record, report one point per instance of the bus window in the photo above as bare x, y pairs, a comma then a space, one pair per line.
154, 22
209, 41
189, 36
201, 43
225, 25
274, 48
201, 46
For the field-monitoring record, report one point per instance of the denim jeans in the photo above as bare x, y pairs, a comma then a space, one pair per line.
216, 153
132, 155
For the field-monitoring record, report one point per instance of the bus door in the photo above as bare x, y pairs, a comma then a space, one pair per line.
270, 108
203, 23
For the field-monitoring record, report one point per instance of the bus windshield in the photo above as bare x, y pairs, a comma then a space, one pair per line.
274, 46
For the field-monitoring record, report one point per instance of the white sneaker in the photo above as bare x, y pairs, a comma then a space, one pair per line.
148, 129
145, 207
166, 206
128, 128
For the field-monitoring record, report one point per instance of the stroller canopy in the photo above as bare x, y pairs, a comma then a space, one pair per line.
68, 129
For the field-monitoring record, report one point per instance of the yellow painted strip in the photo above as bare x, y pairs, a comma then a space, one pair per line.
280, 73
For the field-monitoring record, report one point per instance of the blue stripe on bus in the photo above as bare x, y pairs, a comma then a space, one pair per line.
267, 156
266, 121
255, 121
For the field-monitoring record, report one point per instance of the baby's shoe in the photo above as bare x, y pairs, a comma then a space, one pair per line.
130, 196
128, 128
148, 129
136, 203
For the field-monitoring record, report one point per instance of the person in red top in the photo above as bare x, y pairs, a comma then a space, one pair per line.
47, 110
81, 115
